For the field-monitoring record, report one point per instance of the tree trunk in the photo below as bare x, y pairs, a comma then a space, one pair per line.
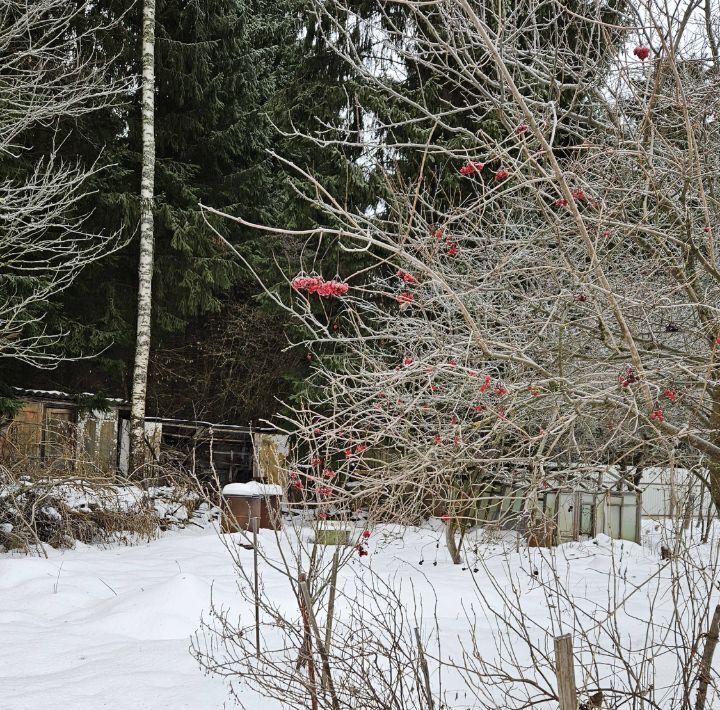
714, 463
452, 545
145, 268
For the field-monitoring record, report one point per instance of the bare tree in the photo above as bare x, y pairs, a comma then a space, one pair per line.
147, 243
556, 309
46, 74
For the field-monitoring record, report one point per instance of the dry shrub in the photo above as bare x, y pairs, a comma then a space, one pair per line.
98, 509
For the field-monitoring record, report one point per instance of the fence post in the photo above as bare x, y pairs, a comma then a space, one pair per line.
565, 672
331, 607
254, 523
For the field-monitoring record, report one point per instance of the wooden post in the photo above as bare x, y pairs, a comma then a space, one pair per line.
307, 643
705, 671
565, 672
425, 671
331, 607
254, 525
305, 591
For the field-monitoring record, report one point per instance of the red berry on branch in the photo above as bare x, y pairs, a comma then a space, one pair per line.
471, 167
642, 53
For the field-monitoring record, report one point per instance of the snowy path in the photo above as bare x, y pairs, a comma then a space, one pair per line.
88, 629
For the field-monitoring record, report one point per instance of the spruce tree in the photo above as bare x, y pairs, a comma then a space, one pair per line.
218, 63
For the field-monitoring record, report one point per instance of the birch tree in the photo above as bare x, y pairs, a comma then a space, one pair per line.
145, 268
48, 71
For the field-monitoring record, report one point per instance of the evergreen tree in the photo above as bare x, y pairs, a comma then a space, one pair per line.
218, 63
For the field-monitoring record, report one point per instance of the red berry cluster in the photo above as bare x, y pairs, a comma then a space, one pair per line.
360, 546
629, 377
485, 386
295, 481
316, 284
472, 166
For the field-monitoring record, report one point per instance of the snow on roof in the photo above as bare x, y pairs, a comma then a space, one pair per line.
252, 489
57, 394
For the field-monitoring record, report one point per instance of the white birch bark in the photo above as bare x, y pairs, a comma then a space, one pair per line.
145, 268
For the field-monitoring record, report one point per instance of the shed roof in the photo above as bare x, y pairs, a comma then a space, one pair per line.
65, 396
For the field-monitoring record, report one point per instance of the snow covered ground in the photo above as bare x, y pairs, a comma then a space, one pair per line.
94, 628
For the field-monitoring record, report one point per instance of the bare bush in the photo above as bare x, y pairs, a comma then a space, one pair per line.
95, 508
49, 70
555, 308
378, 641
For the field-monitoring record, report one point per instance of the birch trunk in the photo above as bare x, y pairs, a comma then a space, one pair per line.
145, 268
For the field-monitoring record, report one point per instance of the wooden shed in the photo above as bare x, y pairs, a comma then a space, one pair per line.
229, 452
62, 429
63, 432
